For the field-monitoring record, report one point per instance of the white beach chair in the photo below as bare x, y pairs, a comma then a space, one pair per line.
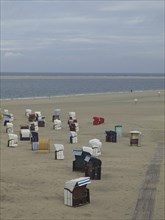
59, 151
96, 145
25, 134
13, 140
28, 112
9, 127
73, 137
57, 124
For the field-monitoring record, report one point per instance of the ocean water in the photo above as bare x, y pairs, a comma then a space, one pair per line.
21, 88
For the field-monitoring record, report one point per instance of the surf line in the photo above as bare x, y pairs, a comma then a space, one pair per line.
146, 200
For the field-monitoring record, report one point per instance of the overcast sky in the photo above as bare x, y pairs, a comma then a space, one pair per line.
82, 36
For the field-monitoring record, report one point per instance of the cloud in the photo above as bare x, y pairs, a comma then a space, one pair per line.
128, 6
44, 31
10, 54
135, 20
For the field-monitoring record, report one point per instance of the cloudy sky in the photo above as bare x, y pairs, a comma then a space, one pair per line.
88, 36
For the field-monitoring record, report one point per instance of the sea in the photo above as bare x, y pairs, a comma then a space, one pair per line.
46, 85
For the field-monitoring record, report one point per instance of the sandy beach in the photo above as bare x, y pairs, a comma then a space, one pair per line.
32, 183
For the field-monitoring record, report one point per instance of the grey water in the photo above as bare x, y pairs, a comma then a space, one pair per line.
39, 87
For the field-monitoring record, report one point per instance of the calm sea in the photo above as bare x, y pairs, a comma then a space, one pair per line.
98, 83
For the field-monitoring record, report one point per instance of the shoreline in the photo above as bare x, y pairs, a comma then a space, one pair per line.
84, 94
78, 77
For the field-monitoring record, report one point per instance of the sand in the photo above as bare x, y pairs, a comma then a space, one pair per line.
32, 184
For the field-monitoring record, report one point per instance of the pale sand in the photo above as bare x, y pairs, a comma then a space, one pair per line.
32, 184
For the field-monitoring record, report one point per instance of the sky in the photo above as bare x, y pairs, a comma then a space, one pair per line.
82, 36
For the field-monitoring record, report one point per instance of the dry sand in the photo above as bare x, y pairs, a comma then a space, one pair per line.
32, 184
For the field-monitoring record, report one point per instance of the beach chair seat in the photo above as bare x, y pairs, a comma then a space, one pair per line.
59, 151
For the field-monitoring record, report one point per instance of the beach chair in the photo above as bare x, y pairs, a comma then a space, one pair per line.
41, 122
76, 192
93, 167
12, 140
98, 120
135, 138
59, 151
118, 130
73, 137
27, 112
7, 118
96, 145
9, 127
57, 124
111, 136
78, 163
44, 146
25, 133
